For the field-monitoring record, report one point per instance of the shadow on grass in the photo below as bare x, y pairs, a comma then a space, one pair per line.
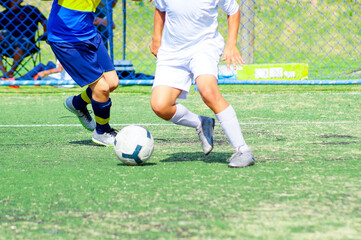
213, 157
143, 165
88, 142
187, 157
186, 141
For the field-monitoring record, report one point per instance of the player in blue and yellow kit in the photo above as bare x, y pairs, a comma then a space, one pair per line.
80, 49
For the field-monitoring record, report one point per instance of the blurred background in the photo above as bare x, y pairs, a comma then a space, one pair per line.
325, 35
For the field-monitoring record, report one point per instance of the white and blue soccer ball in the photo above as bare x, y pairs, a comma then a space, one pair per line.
134, 145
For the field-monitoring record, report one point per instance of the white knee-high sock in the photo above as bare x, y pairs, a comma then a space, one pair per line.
185, 117
230, 125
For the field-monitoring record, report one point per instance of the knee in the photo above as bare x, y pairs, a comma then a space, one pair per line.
112, 80
158, 108
101, 90
210, 97
113, 85
161, 109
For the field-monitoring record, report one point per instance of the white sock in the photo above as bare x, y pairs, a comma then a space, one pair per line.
230, 125
185, 117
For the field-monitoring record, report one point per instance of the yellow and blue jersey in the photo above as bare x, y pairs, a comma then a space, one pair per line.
72, 20
82, 6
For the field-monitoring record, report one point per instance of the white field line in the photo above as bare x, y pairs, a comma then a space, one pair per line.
291, 94
168, 124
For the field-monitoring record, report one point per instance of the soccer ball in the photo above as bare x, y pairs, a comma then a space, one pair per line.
134, 145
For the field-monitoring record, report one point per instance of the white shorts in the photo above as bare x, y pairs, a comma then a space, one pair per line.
181, 76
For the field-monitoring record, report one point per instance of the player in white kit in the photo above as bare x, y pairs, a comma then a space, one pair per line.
188, 46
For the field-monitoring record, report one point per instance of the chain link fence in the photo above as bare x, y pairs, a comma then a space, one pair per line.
324, 34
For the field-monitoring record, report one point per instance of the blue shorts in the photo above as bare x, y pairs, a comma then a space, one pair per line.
85, 61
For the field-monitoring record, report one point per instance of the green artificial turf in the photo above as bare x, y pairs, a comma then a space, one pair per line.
56, 184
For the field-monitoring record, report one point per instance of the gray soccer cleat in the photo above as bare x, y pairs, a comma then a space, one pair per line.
240, 160
84, 116
106, 139
205, 133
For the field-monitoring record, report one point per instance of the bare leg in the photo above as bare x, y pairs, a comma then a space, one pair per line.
101, 104
163, 101
208, 88
112, 79
209, 91
106, 84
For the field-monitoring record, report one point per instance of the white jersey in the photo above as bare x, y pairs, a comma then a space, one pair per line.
191, 25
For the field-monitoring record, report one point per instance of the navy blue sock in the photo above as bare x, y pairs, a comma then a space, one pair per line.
82, 100
102, 115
